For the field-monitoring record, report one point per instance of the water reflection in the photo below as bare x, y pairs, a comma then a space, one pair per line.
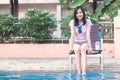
117, 76
73, 76
59, 76
88, 76
79, 77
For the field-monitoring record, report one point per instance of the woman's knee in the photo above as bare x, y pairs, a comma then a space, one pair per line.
76, 48
83, 49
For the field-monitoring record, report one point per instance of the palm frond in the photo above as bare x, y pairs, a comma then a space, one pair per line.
102, 8
77, 3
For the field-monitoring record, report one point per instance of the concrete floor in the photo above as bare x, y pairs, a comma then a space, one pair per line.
55, 64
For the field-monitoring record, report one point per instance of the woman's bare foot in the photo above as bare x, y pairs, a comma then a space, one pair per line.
79, 72
83, 72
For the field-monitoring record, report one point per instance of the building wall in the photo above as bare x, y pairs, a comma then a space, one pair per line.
117, 35
43, 50
4, 8
23, 7
30, 1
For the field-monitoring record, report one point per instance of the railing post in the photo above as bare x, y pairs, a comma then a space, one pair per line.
117, 35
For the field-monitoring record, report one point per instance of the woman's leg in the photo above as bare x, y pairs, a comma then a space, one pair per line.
83, 57
76, 49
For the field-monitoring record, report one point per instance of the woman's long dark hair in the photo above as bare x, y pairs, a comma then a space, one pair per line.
76, 22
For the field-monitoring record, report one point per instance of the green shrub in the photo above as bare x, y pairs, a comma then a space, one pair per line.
6, 29
37, 24
65, 28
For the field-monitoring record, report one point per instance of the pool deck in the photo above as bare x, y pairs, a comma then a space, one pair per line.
58, 64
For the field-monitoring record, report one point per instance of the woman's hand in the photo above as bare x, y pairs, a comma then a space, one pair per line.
71, 52
90, 49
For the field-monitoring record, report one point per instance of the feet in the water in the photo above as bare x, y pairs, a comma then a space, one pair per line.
84, 74
81, 77
78, 72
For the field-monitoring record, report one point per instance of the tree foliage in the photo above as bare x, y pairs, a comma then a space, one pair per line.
37, 24
6, 29
108, 7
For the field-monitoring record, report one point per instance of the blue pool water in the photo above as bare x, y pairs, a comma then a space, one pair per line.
58, 76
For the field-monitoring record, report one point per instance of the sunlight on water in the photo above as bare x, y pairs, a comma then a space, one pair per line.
58, 76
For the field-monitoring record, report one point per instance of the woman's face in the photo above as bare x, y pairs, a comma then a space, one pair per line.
79, 14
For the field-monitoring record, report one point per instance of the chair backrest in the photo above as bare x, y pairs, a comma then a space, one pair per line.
94, 35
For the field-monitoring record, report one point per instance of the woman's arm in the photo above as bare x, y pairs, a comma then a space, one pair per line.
88, 38
72, 37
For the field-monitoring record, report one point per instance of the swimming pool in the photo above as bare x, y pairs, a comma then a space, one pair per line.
58, 76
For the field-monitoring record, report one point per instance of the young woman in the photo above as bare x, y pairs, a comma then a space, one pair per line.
80, 38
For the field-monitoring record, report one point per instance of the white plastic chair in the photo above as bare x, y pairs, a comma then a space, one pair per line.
97, 48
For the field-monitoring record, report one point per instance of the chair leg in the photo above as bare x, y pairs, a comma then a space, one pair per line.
70, 63
101, 62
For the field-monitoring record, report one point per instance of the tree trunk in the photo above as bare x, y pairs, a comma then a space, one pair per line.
14, 8
93, 6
